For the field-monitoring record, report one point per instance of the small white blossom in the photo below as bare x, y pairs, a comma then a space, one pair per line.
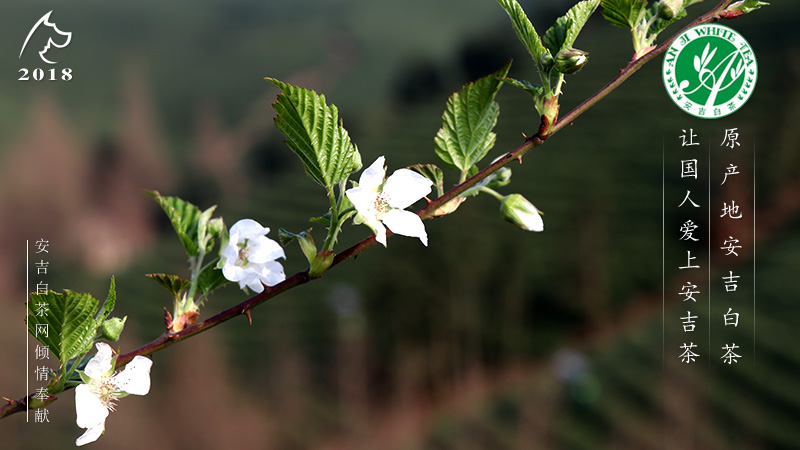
249, 257
98, 396
518, 210
380, 202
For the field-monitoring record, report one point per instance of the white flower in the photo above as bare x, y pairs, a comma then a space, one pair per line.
377, 201
95, 398
249, 257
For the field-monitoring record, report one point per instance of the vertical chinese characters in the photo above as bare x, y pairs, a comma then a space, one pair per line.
691, 238
41, 353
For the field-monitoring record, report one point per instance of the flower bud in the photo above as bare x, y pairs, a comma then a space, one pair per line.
519, 211
112, 328
500, 178
570, 60
740, 8
546, 61
549, 116
668, 9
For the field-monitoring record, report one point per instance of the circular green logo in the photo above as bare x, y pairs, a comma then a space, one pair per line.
710, 71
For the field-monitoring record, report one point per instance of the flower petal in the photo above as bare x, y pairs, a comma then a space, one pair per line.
229, 254
533, 221
380, 232
135, 377
251, 280
404, 187
248, 229
263, 249
100, 363
232, 272
376, 226
89, 410
405, 223
271, 273
91, 435
372, 177
363, 199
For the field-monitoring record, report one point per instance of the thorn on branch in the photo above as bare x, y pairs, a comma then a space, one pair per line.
246, 312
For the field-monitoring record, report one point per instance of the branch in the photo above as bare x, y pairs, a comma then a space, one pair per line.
244, 308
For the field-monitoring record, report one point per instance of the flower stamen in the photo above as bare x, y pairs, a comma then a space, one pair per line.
381, 203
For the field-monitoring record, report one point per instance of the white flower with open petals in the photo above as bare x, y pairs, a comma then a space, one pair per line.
380, 202
101, 390
249, 257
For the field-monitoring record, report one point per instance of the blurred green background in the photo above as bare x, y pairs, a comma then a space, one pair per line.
491, 337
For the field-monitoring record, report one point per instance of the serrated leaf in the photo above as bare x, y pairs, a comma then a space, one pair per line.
304, 238
469, 117
324, 220
184, 217
211, 279
534, 90
108, 304
63, 322
524, 29
567, 27
315, 134
285, 237
624, 13
173, 283
431, 172
207, 229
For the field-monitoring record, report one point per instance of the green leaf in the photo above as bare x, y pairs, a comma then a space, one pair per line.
63, 322
208, 229
315, 134
184, 217
211, 279
624, 13
324, 220
524, 29
286, 237
173, 283
469, 117
431, 172
535, 91
567, 27
747, 6
304, 238
108, 304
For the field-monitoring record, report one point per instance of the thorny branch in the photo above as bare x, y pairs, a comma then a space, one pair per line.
244, 308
